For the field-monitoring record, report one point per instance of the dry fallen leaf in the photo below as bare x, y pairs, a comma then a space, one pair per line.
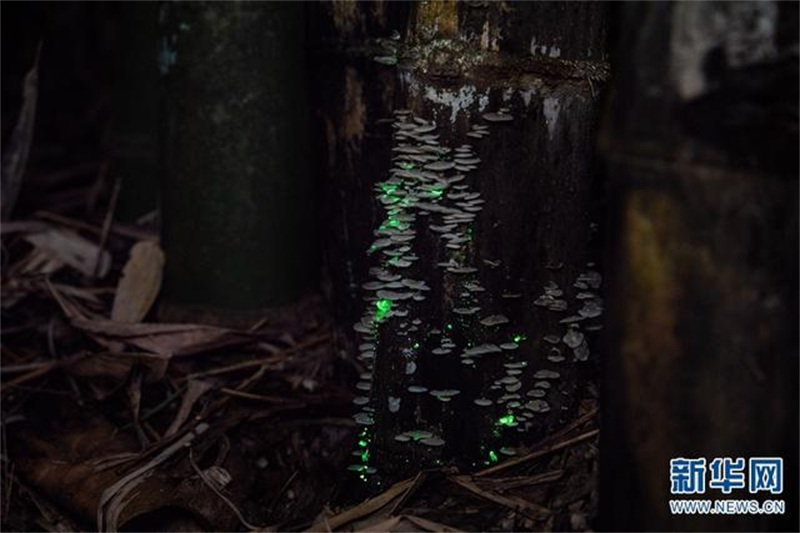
105, 373
140, 282
92, 470
363, 509
195, 389
516, 503
408, 523
71, 249
162, 339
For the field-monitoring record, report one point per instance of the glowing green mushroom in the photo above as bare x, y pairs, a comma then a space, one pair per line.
384, 306
507, 420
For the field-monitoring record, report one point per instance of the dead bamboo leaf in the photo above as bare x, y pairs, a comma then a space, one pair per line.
140, 283
407, 523
505, 484
393, 523
105, 373
33, 374
195, 389
70, 308
418, 481
78, 292
15, 157
22, 226
72, 249
162, 339
515, 503
363, 509
134, 391
429, 525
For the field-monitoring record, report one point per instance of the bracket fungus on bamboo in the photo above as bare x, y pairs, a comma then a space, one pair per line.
476, 152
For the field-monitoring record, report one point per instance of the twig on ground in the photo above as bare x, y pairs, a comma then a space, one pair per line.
285, 486
278, 357
112, 207
530, 509
365, 508
550, 448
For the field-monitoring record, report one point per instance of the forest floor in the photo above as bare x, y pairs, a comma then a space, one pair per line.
135, 424
114, 420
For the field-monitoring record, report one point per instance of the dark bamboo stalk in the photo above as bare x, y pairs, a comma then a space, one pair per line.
238, 194
462, 147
